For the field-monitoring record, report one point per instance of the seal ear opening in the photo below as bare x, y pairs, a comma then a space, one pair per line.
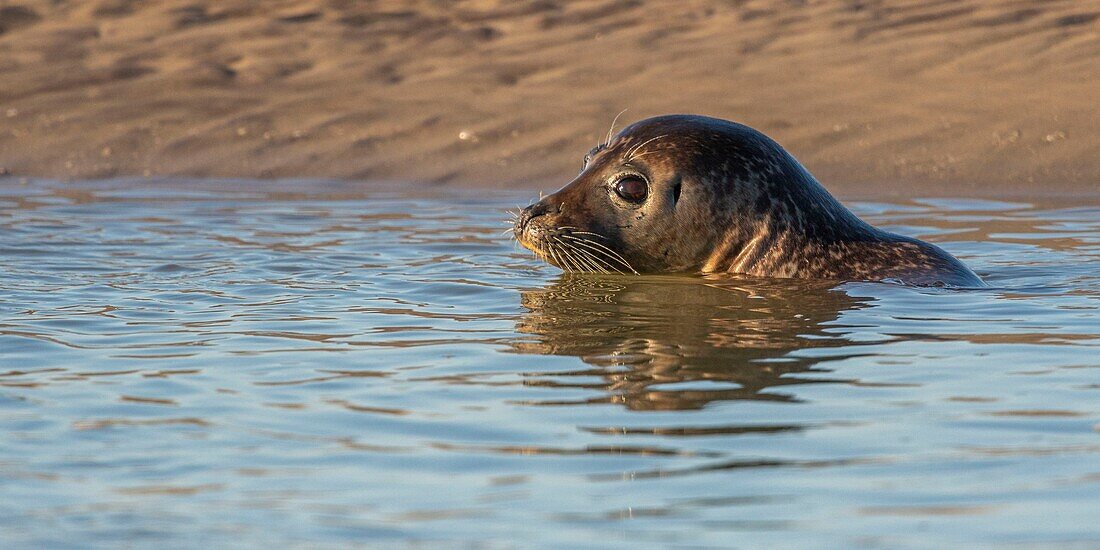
676, 192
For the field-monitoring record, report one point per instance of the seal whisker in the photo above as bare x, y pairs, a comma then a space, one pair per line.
610, 254
630, 153
572, 232
598, 265
601, 263
612, 128
587, 233
567, 263
594, 246
599, 248
647, 153
585, 257
582, 258
578, 266
553, 254
567, 253
589, 251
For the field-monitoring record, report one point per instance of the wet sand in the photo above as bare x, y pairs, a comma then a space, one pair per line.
890, 96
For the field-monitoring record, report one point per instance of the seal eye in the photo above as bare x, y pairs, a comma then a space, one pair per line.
632, 188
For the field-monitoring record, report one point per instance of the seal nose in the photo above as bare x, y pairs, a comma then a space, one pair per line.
540, 208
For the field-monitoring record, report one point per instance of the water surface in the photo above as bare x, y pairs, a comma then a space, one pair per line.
191, 363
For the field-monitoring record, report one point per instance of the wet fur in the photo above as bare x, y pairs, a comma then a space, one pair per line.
722, 198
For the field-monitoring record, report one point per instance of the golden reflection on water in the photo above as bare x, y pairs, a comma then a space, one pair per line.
204, 363
723, 337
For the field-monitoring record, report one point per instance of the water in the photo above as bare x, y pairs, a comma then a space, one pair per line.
312, 364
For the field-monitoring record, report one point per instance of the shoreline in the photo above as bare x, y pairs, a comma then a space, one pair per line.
344, 189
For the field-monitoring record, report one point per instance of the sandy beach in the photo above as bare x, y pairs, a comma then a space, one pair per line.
974, 97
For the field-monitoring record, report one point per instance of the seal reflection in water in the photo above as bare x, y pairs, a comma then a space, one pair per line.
691, 194
680, 343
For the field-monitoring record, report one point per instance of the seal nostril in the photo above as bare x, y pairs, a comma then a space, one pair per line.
537, 209
531, 212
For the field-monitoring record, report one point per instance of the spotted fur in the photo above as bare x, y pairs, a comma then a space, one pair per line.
722, 198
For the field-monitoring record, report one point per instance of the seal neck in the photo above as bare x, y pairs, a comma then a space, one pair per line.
800, 242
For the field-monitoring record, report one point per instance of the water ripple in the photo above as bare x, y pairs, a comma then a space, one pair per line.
315, 362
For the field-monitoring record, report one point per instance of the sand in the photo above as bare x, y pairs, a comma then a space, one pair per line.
887, 96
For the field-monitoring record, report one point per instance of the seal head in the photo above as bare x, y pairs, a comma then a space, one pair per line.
691, 194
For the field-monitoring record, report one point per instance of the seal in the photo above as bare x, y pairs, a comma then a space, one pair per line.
694, 194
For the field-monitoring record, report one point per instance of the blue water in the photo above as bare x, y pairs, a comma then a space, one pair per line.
317, 364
